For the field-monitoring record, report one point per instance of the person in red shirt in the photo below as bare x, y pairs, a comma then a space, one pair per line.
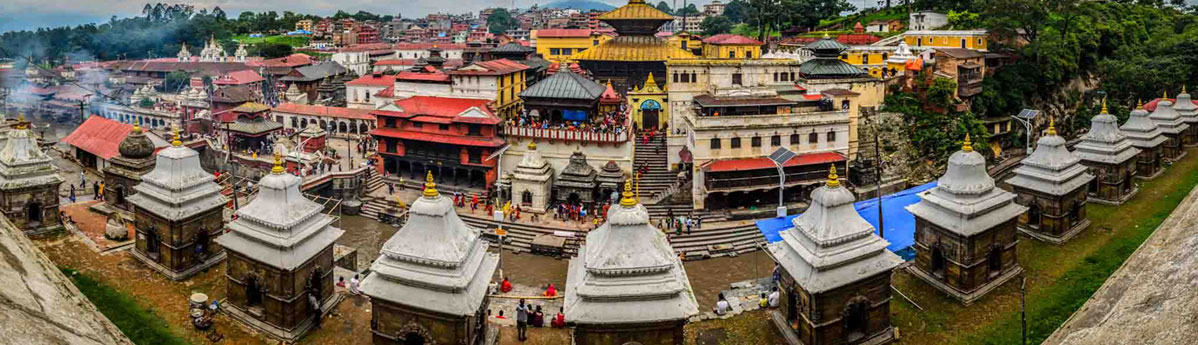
506, 286
559, 320
550, 291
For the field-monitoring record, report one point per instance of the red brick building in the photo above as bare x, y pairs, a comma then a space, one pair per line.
452, 137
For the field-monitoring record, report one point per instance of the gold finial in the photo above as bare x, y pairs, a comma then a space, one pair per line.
178, 138
430, 187
1183, 88
968, 145
1052, 125
21, 121
628, 200
278, 169
1104, 111
1165, 97
136, 127
532, 145
1140, 106
826, 34
833, 180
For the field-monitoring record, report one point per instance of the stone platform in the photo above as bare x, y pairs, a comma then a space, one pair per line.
287, 336
965, 298
176, 276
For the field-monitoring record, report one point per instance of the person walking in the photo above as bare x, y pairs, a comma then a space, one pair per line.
521, 322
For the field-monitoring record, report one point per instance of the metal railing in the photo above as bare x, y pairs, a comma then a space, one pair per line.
565, 134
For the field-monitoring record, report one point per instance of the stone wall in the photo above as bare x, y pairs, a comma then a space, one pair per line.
393, 321
284, 293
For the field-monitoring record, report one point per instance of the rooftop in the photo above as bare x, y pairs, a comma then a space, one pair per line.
731, 39
566, 85
324, 111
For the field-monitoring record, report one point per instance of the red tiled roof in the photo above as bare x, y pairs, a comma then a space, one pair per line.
366, 47
239, 78
325, 111
445, 107
609, 95
373, 80
765, 163
417, 76
395, 62
99, 136
293, 60
564, 33
731, 39
389, 92
857, 39
439, 138
494, 67
814, 97
429, 45
1151, 105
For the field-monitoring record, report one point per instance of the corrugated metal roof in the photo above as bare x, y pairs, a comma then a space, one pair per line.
829, 68
512, 47
634, 48
99, 136
565, 84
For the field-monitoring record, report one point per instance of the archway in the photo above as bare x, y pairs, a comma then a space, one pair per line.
120, 196
201, 244
342, 127
324, 125
1033, 215
363, 128
413, 338
856, 319
526, 198
650, 111
33, 213
938, 261
253, 294
152, 243
303, 123
995, 260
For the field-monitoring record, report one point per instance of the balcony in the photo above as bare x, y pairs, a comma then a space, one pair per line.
969, 90
767, 179
564, 134
802, 117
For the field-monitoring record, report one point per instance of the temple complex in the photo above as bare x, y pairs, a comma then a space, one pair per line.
1148, 138
1185, 107
532, 181
28, 183
626, 286
124, 171
835, 279
965, 238
280, 259
635, 52
564, 97
177, 208
576, 183
455, 138
429, 284
1052, 183
1111, 157
1172, 126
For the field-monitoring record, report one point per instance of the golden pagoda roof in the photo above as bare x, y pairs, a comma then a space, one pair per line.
251, 107
634, 48
636, 9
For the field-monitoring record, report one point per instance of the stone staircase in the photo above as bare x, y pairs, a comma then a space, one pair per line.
659, 178
374, 183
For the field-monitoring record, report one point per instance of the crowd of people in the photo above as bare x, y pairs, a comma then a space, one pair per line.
614, 121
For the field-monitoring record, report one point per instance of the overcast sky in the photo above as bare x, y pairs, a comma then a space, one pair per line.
29, 14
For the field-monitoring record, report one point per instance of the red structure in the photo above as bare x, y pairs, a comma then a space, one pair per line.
313, 138
248, 126
368, 34
452, 137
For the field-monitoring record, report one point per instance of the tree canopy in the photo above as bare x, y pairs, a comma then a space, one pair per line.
715, 25
500, 21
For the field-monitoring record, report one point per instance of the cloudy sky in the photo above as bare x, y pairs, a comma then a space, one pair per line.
29, 14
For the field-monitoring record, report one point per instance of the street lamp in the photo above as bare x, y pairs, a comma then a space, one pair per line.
499, 232
1025, 117
780, 157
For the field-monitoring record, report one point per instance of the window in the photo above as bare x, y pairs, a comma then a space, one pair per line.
732, 54
595, 42
715, 143
686, 78
776, 140
567, 51
979, 42
473, 156
443, 127
417, 125
756, 142
735, 143
555, 51
830, 137
962, 43
796, 139
776, 76
474, 129
676, 77
748, 55
812, 138
389, 124
885, 56
919, 42
684, 45
736, 79
792, 76
694, 77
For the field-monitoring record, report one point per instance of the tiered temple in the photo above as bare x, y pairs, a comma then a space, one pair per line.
1111, 158
178, 207
125, 171
1172, 126
836, 273
1146, 137
635, 52
533, 181
429, 285
1184, 106
576, 183
626, 285
1051, 183
965, 238
28, 183
280, 259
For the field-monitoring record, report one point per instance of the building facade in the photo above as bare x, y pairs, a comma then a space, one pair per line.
454, 138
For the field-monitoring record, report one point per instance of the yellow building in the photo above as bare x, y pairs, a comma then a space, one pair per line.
558, 45
685, 41
636, 51
729, 46
968, 39
649, 105
499, 80
871, 59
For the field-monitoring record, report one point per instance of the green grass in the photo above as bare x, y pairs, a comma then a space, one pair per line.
140, 324
294, 41
895, 12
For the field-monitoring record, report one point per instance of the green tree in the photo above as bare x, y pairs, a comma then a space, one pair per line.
963, 20
500, 21
274, 50
715, 25
737, 11
664, 7
176, 81
689, 10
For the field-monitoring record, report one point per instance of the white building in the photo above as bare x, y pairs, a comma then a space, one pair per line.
927, 20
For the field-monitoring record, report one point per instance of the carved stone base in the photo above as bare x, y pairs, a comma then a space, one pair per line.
178, 275
275, 332
1094, 199
1065, 237
965, 297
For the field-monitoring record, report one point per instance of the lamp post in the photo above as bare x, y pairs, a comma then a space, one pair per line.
780, 157
1025, 117
499, 232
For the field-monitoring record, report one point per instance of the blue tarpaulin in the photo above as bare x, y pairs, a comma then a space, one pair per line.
900, 224
574, 115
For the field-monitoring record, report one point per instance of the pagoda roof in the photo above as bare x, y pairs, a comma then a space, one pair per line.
609, 95
1142, 131
1051, 169
251, 108
626, 272
636, 9
610, 176
563, 33
435, 262
1167, 119
178, 188
567, 85
253, 126
633, 48
23, 164
1105, 143
280, 227
823, 68
965, 200
830, 245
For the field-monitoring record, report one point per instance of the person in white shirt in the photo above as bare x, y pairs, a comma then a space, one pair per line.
773, 298
353, 285
722, 306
